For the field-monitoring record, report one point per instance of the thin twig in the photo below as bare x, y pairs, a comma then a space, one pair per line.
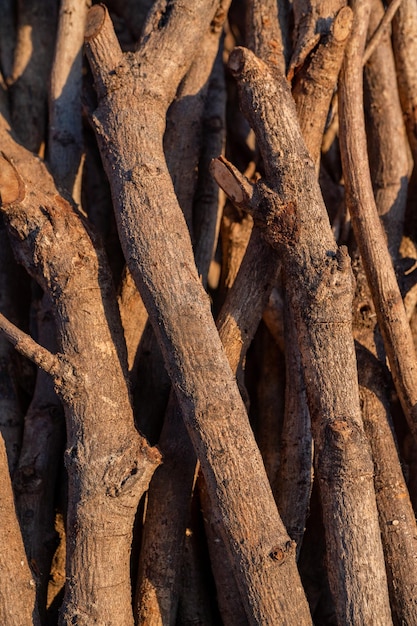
29, 348
380, 31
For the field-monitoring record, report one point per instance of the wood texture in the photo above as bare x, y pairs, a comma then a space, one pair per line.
105, 457
368, 231
262, 556
319, 283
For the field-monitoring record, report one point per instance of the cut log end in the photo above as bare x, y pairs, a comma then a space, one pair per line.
95, 21
11, 187
342, 24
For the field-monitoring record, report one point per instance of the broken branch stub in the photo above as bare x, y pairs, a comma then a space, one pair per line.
277, 220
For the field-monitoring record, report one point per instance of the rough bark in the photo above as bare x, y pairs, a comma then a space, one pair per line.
258, 273
319, 284
314, 84
388, 154
209, 199
170, 491
396, 516
229, 600
109, 465
133, 315
263, 33
380, 30
235, 230
312, 19
294, 479
183, 135
130, 136
167, 515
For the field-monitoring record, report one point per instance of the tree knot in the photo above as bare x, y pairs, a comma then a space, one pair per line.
282, 553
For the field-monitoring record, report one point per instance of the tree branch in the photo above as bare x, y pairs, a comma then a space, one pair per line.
24, 344
65, 141
380, 30
162, 264
319, 286
368, 231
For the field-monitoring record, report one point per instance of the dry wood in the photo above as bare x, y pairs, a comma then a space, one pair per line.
167, 514
36, 478
133, 315
209, 199
397, 520
312, 91
404, 32
381, 30
107, 461
183, 135
235, 231
31, 67
290, 246
17, 594
387, 143
388, 152
312, 19
228, 597
255, 279
314, 84
130, 136
263, 33
65, 142
368, 231
294, 479
167, 509
319, 285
